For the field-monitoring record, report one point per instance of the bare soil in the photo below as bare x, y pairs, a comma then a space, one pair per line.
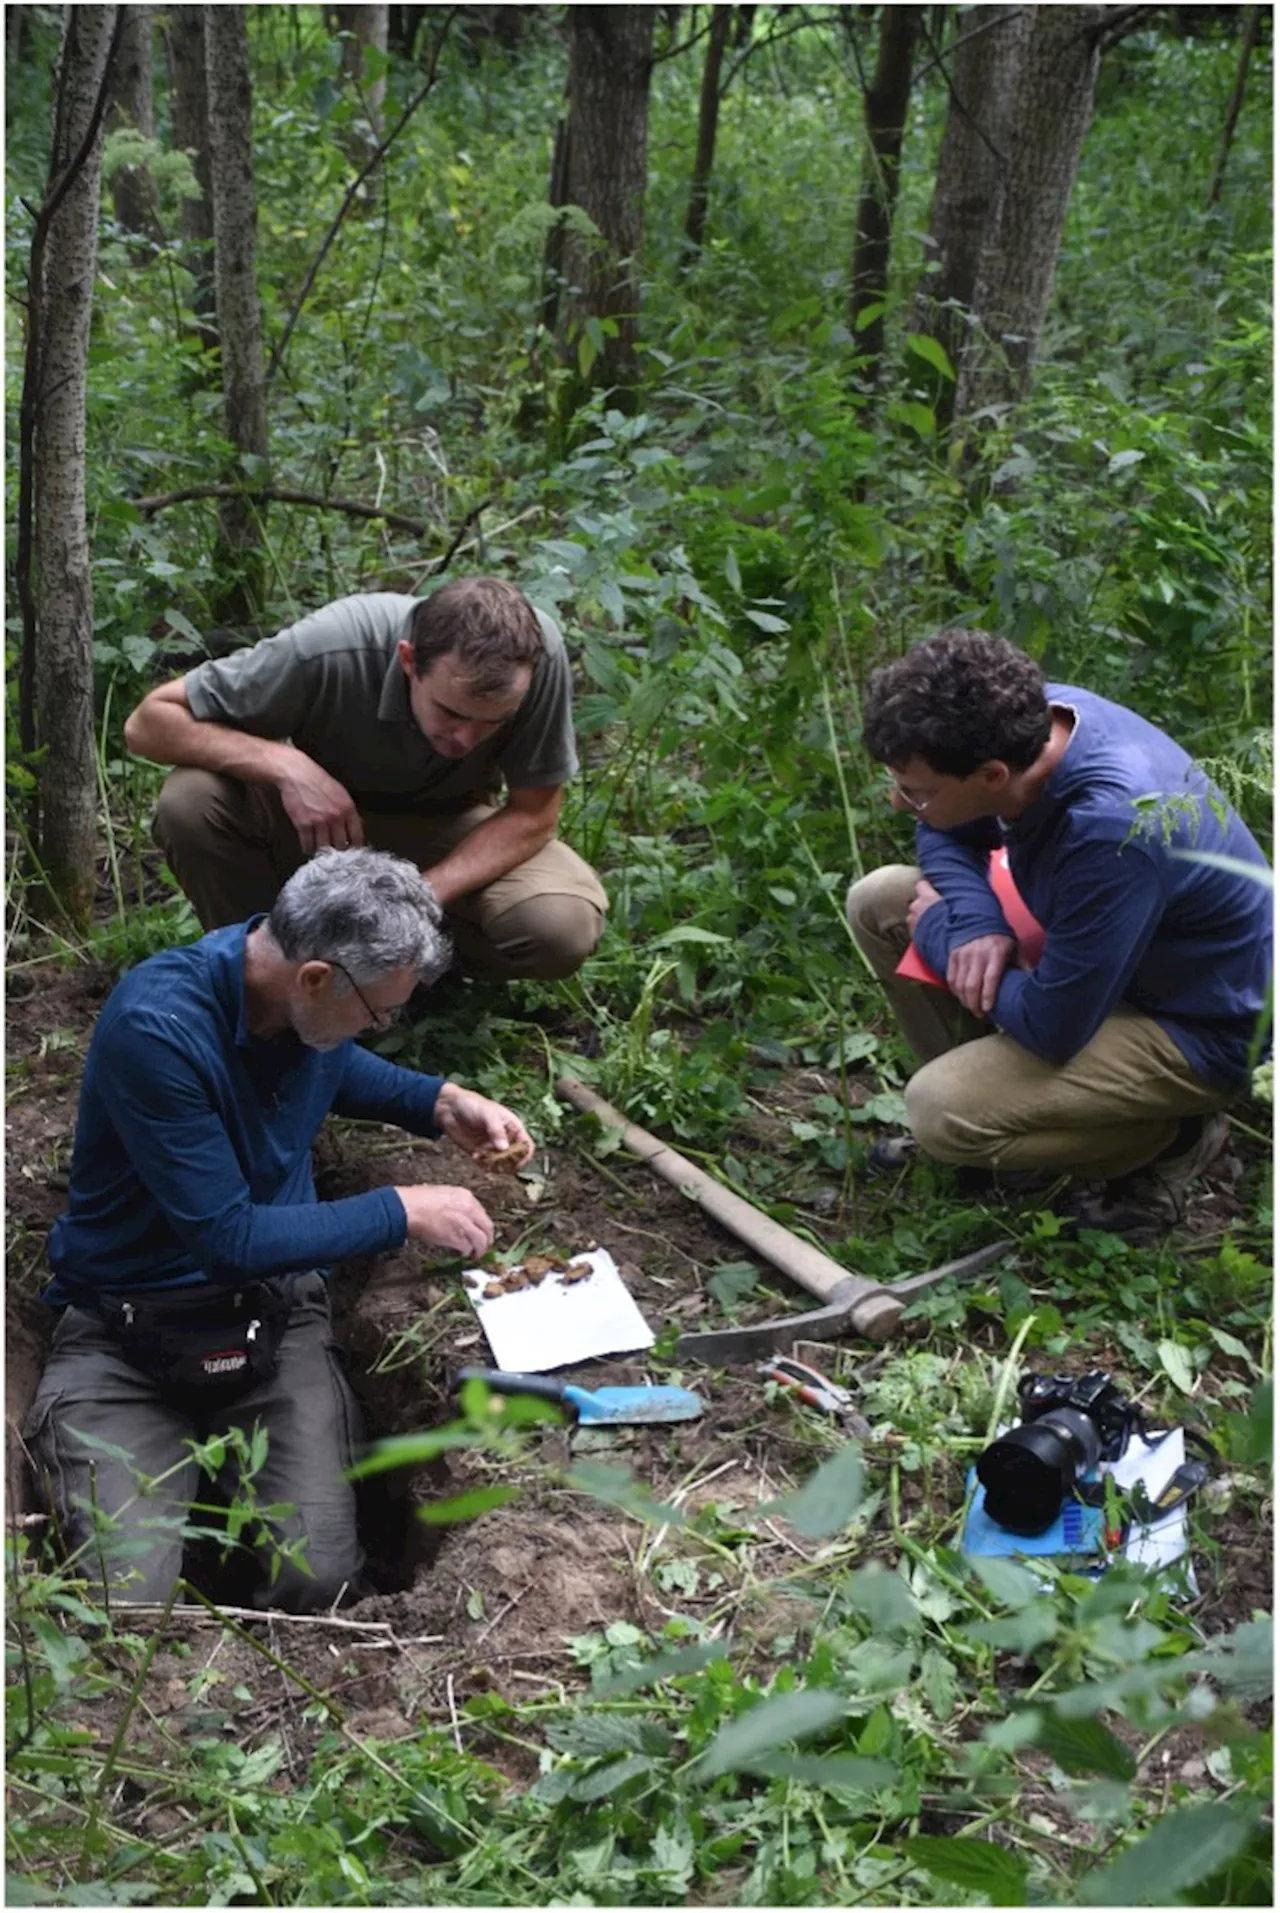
493, 1604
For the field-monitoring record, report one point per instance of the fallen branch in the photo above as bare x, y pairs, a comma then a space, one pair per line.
208, 1612
285, 495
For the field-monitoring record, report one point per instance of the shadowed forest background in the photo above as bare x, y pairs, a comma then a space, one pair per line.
755, 344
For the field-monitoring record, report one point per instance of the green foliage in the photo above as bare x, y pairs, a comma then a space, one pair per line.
729, 559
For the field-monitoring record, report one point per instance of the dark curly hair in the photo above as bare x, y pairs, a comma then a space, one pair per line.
958, 700
487, 623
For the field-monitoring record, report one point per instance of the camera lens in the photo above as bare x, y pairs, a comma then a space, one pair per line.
1029, 1471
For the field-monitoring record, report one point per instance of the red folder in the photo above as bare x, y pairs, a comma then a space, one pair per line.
1028, 932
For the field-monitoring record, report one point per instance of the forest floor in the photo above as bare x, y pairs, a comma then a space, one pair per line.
511, 1602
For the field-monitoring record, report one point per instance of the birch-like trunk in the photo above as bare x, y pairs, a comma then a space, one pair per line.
367, 26
235, 219
972, 168
1049, 117
133, 192
610, 61
62, 584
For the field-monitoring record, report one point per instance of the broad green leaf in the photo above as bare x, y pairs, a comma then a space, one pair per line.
980, 1866
767, 622
412, 1451
1260, 874
931, 352
1123, 460
618, 1488
465, 1507
828, 1500
1019, 1633
767, 1725
588, 1735
883, 1597
664, 1667
731, 570
1231, 1345
731, 1281
1183, 1848
599, 1784
1010, 1583
689, 933
1176, 1363
868, 315
1085, 1746
829, 1770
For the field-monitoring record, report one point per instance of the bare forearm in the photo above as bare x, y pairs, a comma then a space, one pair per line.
489, 852
169, 734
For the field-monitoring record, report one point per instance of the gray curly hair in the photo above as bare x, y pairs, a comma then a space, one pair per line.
364, 910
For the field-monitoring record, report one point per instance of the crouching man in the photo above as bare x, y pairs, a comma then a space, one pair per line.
1111, 1053
191, 1262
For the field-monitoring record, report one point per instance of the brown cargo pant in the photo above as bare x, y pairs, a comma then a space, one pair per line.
983, 1101
231, 847
129, 1536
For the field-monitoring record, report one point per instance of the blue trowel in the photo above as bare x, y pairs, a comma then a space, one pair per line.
592, 1406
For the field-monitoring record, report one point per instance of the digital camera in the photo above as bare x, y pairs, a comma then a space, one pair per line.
1069, 1424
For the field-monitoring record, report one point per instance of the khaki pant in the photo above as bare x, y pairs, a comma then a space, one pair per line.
130, 1536
231, 847
984, 1101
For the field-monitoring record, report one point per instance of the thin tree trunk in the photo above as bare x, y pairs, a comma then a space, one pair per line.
708, 118
972, 167
244, 389
62, 593
885, 110
1049, 118
1251, 26
367, 26
184, 41
557, 197
610, 62
133, 192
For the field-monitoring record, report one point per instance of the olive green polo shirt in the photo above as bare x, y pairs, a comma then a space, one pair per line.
333, 685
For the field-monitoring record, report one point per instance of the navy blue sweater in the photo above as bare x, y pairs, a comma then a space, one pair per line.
192, 1156
1128, 918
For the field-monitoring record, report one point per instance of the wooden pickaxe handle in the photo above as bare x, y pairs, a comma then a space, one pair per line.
873, 1309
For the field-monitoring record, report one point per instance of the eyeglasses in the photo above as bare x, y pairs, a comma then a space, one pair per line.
918, 804
381, 1019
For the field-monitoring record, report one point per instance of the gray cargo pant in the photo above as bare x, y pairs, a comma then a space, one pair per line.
125, 1531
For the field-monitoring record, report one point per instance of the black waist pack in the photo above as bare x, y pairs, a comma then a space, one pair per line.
184, 1341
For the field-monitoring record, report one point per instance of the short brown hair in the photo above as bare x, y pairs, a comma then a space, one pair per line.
486, 623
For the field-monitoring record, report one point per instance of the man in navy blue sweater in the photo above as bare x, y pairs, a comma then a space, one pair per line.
191, 1261
1111, 1054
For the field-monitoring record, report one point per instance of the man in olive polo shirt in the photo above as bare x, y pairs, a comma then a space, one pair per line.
387, 721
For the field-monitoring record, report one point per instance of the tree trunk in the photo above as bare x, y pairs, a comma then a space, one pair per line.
1048, 120
62, 596
367, 26
972, 167
184, 42
133, 192
557, 196
1252, 23
708, 117
885, 111
610, 61
402, 29
244, 390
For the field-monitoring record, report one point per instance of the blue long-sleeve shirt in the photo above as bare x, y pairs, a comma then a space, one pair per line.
1126, 919
192, 1158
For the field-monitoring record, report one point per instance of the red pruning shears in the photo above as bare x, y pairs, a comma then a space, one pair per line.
818, 1390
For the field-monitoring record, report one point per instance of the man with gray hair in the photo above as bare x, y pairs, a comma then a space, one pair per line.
394, 722
190, 1263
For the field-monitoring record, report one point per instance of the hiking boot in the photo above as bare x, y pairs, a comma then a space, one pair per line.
1154, 1198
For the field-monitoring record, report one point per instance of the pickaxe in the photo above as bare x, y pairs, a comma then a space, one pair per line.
850, 1302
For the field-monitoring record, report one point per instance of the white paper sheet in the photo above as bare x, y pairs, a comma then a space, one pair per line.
552, 1325
1165, 1540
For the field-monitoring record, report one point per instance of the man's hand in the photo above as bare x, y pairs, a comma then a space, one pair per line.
925, 898
446, 1218
321, 810
479, 1126
975, 969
